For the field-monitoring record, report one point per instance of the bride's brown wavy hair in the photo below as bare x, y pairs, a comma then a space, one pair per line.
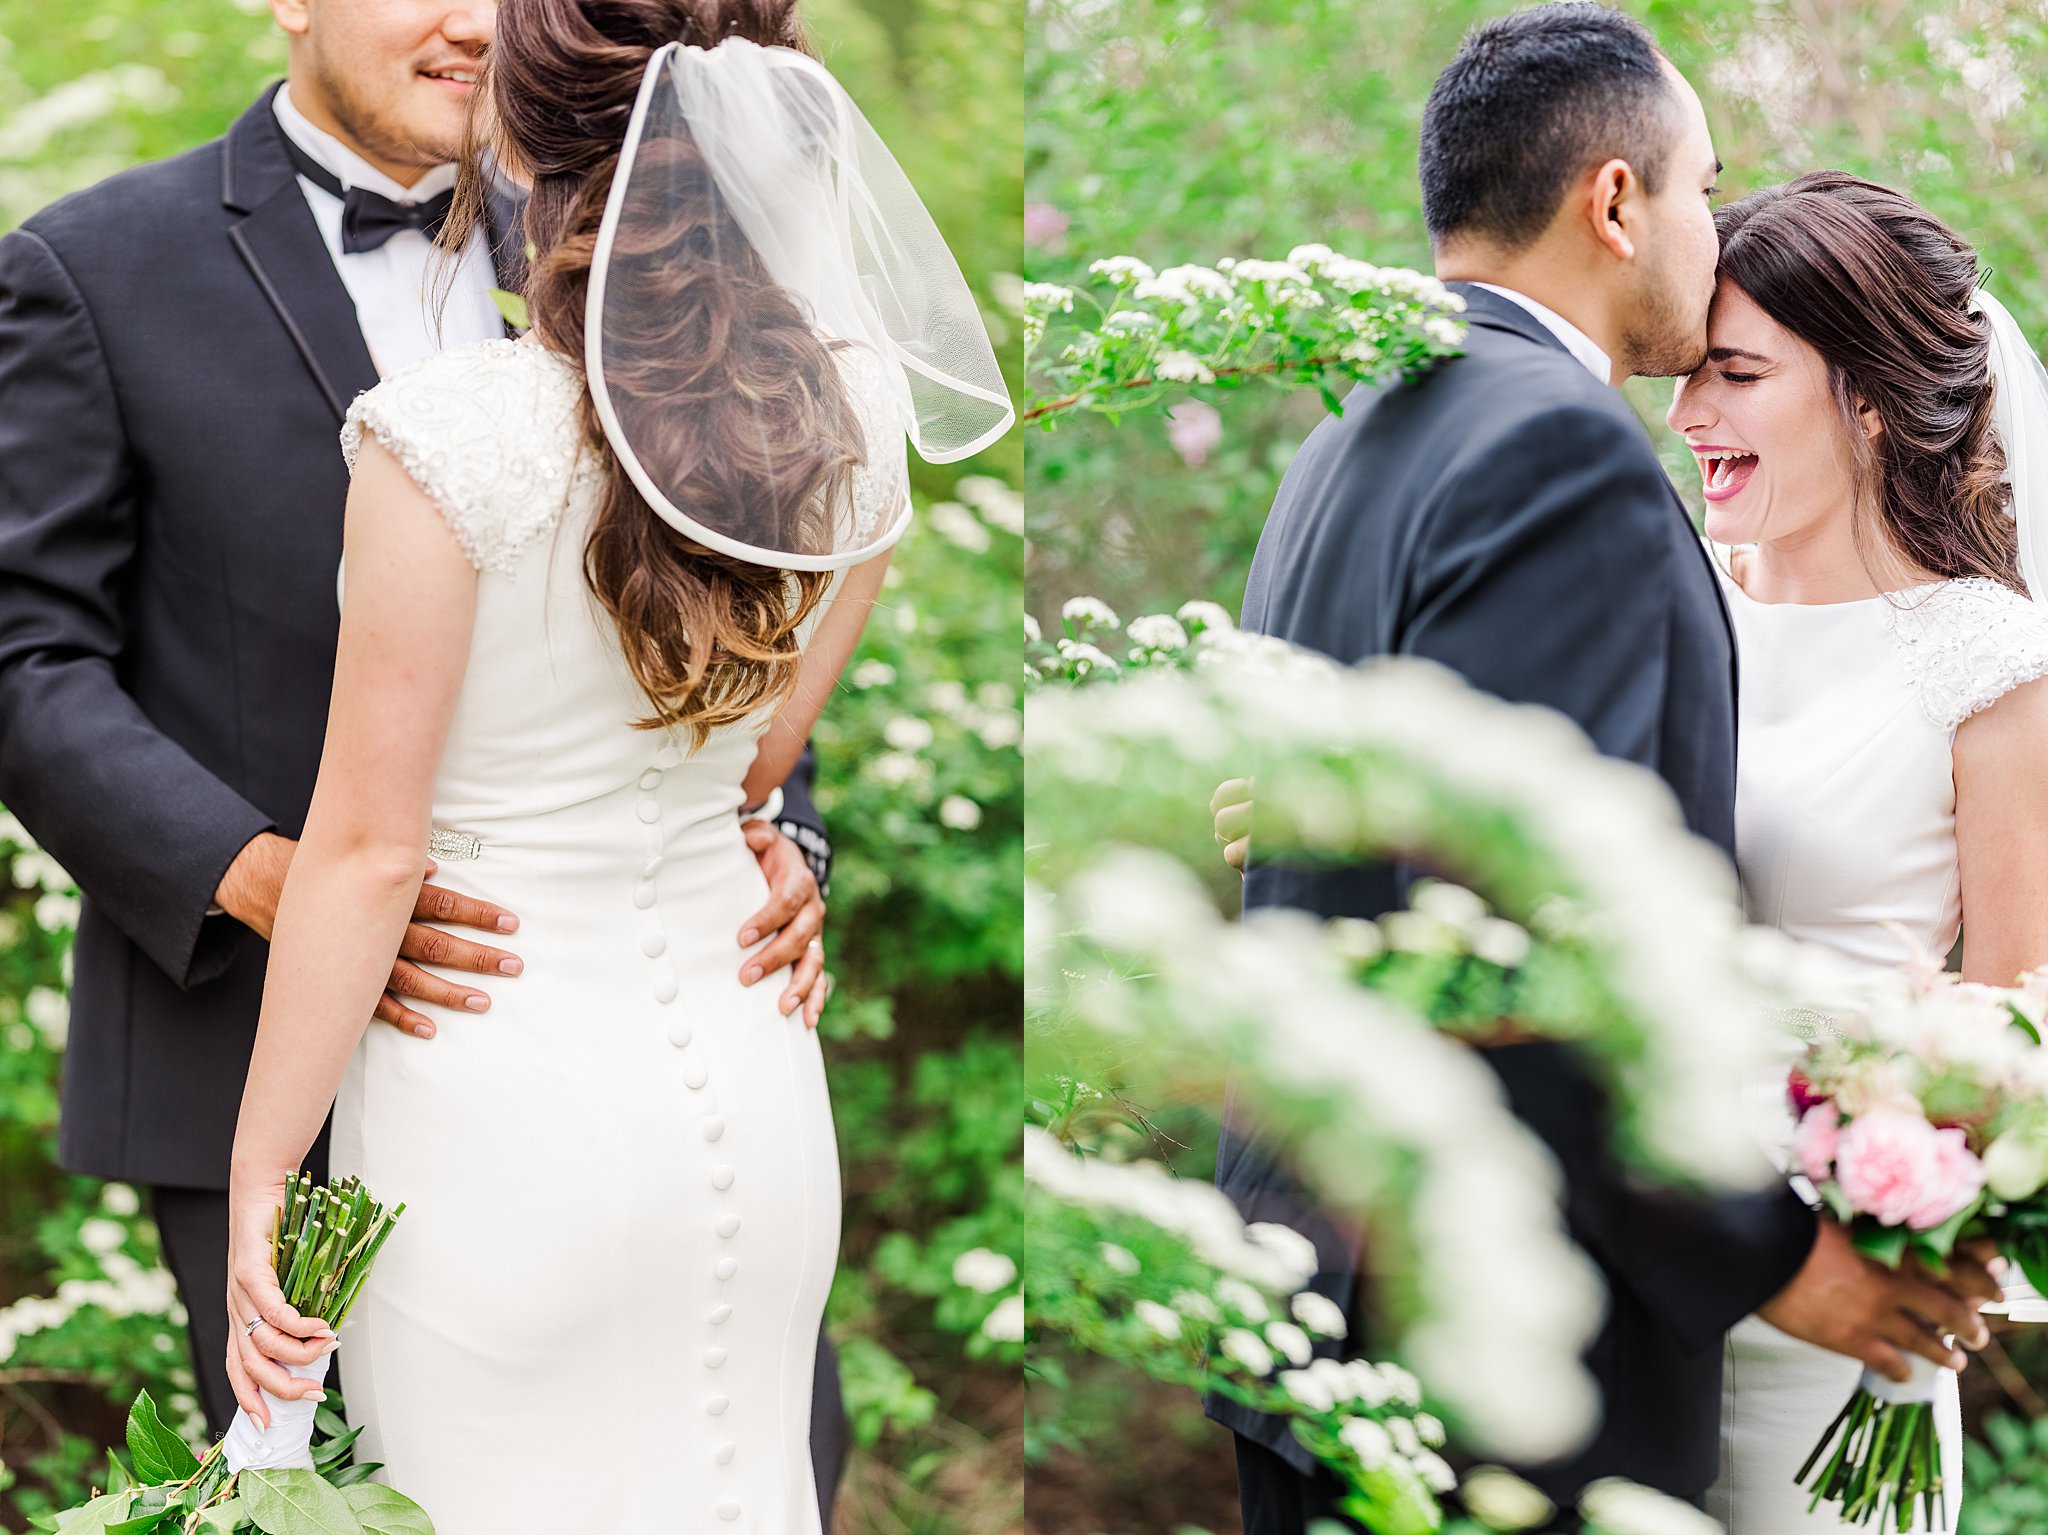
1881, 289
756, 423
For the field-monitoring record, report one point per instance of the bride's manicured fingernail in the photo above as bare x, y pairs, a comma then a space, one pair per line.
316, 1395
476, 1002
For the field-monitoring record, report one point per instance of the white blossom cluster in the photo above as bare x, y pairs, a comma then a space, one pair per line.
1196, 634
1510, 1303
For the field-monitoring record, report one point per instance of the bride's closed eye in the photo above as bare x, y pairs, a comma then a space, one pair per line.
1740, 378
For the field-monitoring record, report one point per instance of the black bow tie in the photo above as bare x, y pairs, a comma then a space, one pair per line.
367, 218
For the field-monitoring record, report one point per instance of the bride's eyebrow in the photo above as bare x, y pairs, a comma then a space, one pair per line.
1734, 354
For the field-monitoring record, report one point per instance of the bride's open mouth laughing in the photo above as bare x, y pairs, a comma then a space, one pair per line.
1724, 470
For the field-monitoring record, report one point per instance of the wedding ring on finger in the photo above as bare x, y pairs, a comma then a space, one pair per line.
249, 1327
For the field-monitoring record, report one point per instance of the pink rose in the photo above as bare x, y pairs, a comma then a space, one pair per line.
1958, 1179
1896, 1167
1815, 1140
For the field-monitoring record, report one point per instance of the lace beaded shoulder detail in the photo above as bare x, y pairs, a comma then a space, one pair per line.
1966, 643
490, 432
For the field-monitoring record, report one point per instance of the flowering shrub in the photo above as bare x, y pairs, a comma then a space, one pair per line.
1134, 337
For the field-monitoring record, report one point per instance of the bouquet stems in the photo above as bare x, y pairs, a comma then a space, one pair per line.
1887, 1459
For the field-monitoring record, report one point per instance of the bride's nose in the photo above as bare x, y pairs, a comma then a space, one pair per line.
1689, 408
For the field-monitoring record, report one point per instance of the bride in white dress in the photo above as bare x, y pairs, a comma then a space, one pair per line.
1891, 729
600, 581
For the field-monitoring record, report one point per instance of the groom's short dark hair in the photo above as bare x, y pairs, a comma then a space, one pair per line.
1533, 100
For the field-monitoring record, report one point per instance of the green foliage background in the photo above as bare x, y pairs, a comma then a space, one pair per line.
1187, 130
919, 782
1190, 130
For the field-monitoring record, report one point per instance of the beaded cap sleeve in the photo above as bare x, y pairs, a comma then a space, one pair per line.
491, 433
1965, 644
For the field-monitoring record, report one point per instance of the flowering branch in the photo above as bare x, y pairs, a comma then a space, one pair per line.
1314, 320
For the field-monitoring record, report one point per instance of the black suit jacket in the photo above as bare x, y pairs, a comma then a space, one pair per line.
1506, 516
176, 354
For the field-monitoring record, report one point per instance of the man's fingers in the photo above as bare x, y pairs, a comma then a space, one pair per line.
399, 1016
1234, 853
1232, 791
1886, 1360
409, 980
784, 902
787, 947
1233, 822
804, 978
1908, 1336
814, 1004
431, 946
1942, 1310
437, 904
1969, 1277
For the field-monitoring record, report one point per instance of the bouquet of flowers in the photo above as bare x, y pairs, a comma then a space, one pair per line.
322, 1245
1922, 1122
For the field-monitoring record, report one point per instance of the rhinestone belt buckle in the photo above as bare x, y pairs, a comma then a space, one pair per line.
457, 845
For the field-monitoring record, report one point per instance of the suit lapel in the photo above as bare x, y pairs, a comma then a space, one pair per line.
282, 248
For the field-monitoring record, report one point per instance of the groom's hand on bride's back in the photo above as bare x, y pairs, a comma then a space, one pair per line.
249, 892
1847, 1303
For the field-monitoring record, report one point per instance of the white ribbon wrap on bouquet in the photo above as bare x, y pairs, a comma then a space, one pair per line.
2021, 1302
1920, 1386
289, 1440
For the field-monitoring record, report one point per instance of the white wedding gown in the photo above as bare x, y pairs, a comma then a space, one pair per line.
600, 1310
1845, 824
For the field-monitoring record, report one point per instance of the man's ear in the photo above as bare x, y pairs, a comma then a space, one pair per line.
1609, 205
293, 15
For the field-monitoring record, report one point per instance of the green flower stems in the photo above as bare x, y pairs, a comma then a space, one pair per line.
1887, 1459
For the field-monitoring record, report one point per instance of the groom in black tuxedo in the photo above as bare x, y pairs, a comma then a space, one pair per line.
1506, 516
177, 348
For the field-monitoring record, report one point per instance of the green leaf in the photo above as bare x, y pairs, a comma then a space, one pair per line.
295, 1502
328, 1422
94, 1517
1884, 1244
1941, 1241
333, 1451
384, 1511
155, 1519
512, 307
223, 1518
118, 1479
160, 1455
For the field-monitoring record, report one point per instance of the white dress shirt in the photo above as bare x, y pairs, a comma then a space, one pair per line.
1576, 341
393, 284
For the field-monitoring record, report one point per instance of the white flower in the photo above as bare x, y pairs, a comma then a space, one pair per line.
958, 526
1201, 616
1161, 1319
1350, 276
1197, 1305
1120, 1260
1309, 1389
1268, 272
907, 734
1309, 258
1157, 631
1291, 1341
1452, 904
1402, 1432
1504, 1501
1443, 331
1132, 322
1085, 613
1005, 1324
2016, 1164
1418, 932
1401, 1386
1623, 1508
49, 1012
1433, 1470
1032, 634
873, 674
1049, 296
1429, 1429
1500, 942
1286, 1244
1242, 1298
1181, 368
1319, 1314
1085, 658
983, 1270
895, 769
1121, 269
1207, 282
959, 812
1247, 1350
99, 1235
1368, 1441
119, 1199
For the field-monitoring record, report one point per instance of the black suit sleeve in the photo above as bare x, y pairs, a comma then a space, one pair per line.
800, 820
144, 828
1545, 581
